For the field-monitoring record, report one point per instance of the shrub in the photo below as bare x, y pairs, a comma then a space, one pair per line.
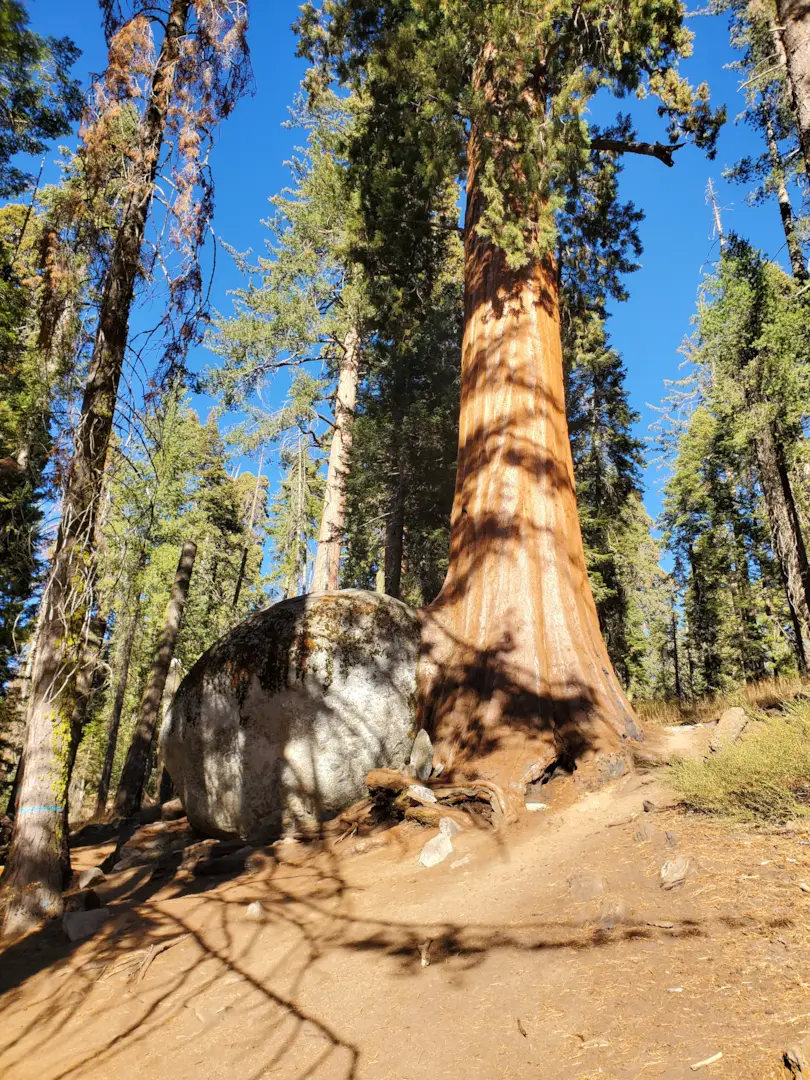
764, 776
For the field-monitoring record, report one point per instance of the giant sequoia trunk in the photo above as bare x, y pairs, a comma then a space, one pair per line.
136, 768
794, 27
330, 538
38, 860
513, 665
786, 533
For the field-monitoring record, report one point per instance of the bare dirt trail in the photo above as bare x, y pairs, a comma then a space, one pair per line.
554, 952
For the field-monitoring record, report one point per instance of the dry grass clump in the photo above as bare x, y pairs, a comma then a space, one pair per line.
765, 694
763, 777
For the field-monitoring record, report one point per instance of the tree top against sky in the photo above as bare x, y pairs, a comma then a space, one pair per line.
520, 76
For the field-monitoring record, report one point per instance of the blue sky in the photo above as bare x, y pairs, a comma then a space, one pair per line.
648, 330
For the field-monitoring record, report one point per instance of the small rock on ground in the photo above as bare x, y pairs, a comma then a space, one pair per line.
534, 807
172, 810
422, 755
421, 794
91, 877
729, 728
449, 827
79, 925
673, 872
436, 850
255, 911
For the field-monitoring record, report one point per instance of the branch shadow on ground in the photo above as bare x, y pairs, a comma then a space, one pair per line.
90, 1017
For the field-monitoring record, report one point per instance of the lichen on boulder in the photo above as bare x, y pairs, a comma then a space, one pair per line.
279, 723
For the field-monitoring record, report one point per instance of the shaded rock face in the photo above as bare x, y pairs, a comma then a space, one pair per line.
280, 721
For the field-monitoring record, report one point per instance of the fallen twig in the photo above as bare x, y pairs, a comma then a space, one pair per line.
708, 1061
155, 950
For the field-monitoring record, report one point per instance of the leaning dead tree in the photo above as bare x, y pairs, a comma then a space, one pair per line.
182, 71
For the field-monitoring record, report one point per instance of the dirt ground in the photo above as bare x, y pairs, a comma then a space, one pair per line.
553, 952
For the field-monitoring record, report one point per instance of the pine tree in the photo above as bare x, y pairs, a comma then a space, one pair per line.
191, 82
498, 91
769, 111
40, 99
310, 309
294, 515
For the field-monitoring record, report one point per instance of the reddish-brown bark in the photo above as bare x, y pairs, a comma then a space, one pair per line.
512, 645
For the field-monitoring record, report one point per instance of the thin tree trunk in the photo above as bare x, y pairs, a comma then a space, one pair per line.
783, 198
86, 687
788, 541
136, 767
794, 30
395, 534
330, 538
37, 866
117, 710
246, 550
675, 657
512, 646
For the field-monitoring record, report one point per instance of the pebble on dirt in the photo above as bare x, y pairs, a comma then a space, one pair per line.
255, 911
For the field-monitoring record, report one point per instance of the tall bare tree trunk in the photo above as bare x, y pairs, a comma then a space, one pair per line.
136, 767
786, 533
395, 533
512, 646
117, 710
783, 198
330, 538
37, 863
794, 31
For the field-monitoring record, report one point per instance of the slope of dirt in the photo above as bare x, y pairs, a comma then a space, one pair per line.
553, 952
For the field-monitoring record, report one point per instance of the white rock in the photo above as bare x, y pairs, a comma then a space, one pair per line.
533, 807
436, 850
673, 872
421, 758
79, 925
421, 794
91, 877
449, 827
255, 911
282, 719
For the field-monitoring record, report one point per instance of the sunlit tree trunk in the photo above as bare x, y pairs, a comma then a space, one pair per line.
330, 538
783, 198
136, 768
786, 533
513, 666
38, 858
117, 709
794, 29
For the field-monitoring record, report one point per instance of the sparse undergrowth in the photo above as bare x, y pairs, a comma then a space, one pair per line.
763, 777
765, 694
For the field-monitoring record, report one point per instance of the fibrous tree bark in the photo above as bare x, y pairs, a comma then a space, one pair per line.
37, 863
512, 643
330, 538
794, 29
136, 768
